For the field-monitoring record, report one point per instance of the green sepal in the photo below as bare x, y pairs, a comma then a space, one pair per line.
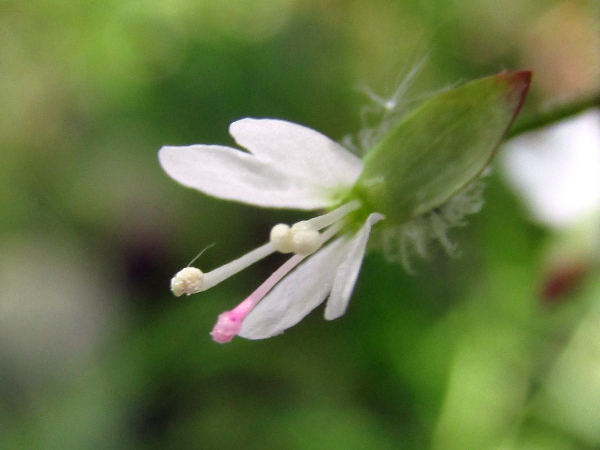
440, 147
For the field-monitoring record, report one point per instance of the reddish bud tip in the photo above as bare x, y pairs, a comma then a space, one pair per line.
520, 82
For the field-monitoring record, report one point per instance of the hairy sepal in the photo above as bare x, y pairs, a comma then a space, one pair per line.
440, 147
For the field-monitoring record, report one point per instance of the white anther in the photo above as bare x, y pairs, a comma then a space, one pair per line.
306, 242
305, 239
303, 225
281, 238
301, 238
187, 281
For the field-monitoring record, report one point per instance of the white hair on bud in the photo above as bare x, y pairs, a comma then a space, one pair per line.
383, 111
400, 243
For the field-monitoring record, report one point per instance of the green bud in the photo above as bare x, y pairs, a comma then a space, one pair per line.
440, 147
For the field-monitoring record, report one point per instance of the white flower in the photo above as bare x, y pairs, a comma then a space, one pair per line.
286, 166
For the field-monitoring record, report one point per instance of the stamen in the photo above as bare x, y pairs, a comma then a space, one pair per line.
305, 239
191, 280
214, 277
229, 323
325, 220
281, 238
301, 238
187, 281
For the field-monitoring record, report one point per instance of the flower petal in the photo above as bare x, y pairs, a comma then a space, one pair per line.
236, 175
298, 151
296, 295
347, 271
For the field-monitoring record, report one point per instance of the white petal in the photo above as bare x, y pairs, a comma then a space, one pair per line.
296, 295
347, 272
299, 151
236, 175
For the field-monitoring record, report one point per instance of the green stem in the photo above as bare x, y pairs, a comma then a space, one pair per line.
552, 115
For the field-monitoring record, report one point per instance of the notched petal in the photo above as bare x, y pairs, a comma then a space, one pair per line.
298, 151
233, 174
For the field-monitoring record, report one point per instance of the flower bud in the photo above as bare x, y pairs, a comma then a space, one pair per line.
440, 147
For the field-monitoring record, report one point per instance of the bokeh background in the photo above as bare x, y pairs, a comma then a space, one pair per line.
497, 349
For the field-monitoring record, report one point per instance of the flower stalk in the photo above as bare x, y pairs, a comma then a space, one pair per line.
553, 114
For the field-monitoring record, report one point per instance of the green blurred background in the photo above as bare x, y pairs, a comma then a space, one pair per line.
95, 352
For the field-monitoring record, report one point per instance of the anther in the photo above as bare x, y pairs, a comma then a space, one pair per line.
187, 281
305, 239
301, 238
281, 238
